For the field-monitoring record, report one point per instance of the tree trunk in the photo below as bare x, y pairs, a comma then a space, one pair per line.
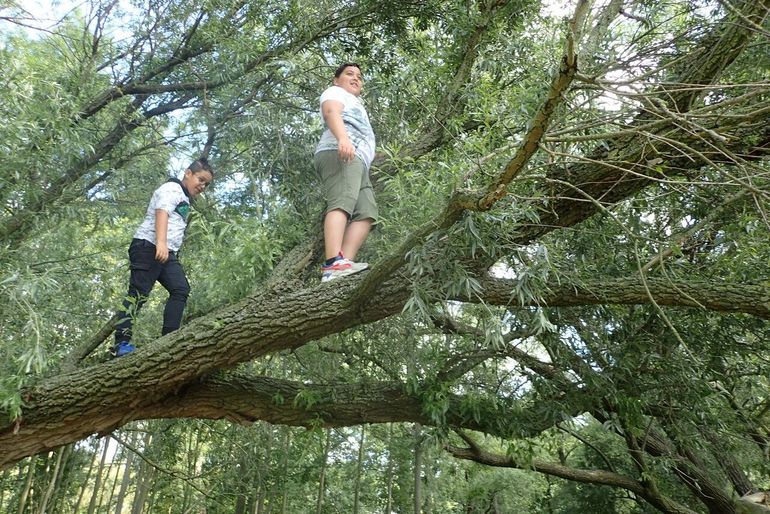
98, 481
113, 482
54, 478
3, 487
284, 467
359, 466
87, 480
192, 454
27, 485
389, 473
322, 474
144, 477
417, 432
126, 480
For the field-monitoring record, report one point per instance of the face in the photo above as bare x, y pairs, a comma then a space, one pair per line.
196, 182
350, 80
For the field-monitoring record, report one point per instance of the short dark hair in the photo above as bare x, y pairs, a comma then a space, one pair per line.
342, 67
199, 165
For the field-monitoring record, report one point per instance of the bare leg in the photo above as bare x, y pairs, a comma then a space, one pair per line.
355, 235
335, 222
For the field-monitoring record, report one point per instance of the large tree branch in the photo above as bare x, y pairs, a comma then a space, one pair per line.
710, 295
244, 399
256, 326
68, 407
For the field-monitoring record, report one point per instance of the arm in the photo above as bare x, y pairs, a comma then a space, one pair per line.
332, 113
161, 231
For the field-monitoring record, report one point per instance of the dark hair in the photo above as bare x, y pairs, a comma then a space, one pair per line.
342, 67
199, 165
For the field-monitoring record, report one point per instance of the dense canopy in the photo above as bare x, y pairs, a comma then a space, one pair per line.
570, 276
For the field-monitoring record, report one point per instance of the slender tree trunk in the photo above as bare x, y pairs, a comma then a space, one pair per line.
3, 487
126, 480
54, 478
193, 455
60, 499
153, 493
389, 472
27, 485
322, 476
427, 490
114, 482
98, 481
105, 494
143, 490
241, 491
143, 479
240, 505
263, 473
417, 467
285, 469
358, 470
87, 480
259, 501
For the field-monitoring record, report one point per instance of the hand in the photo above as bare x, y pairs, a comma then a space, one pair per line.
161, 252
346, 150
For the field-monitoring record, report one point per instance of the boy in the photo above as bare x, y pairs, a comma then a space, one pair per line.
342, 159
153, 253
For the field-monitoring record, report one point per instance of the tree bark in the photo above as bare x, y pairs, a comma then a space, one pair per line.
87, 480
27, 486
359, 468
74, 405
144, 478
417, 434
64, 451
389, 473
126, 479
322, 473
98, 482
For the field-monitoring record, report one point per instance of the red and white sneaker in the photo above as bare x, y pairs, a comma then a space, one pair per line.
341, 267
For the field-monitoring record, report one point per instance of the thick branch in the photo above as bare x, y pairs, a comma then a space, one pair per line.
709, 295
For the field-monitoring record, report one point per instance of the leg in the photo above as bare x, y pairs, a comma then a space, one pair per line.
144, 272
355, 235
335, 222
340, 183
364, 216
172, 277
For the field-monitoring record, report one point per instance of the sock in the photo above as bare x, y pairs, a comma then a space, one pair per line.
329, 262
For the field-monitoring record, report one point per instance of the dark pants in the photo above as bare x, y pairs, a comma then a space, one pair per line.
145, 271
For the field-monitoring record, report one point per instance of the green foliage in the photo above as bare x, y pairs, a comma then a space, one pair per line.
96, 119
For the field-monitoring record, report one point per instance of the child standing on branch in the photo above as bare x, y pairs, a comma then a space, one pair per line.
342, 159
153, 253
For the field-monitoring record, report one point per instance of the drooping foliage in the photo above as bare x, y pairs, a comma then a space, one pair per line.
568, 279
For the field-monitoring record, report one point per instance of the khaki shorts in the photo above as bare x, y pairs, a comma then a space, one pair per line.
346, 186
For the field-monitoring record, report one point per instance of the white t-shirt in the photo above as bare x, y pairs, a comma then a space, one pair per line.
356, 122
171, 198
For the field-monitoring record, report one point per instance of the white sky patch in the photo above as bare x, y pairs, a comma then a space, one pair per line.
42, 16
557, 8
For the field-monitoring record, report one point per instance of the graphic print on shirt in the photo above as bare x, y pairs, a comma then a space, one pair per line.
361, 132
356, 122
183, 209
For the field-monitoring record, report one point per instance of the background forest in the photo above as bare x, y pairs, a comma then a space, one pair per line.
567, 305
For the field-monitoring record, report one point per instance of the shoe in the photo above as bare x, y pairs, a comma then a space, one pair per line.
122, 348
342, 267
